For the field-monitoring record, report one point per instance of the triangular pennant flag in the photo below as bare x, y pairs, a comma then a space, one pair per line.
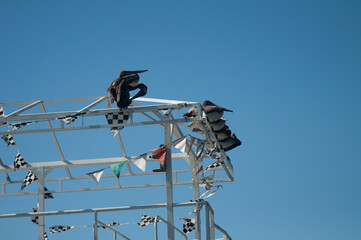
166, 112
146, 220
212, 193
191, 144
47, 195
116, 168
16, 126
199, 145
117, 118
19, 161
59, 228
69, 120
28, 180
95, 176
214, 165
159, 154
140, 161
45, 236
35, 219
115, 132
189, 225
9, 140
199, 170
182, 144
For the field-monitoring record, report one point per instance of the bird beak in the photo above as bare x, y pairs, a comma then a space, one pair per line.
136, 72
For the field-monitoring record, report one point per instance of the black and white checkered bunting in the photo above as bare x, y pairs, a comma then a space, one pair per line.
45, 236
47, 195
146, 220
35, 219
117, 118
59, 228
70, 120
214, 165
28, 180
16, 126
9, 140
111, 225
189, 225
19, 161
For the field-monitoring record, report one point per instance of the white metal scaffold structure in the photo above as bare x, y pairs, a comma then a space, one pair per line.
156, 112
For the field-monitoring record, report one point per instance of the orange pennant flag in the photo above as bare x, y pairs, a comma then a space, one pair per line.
191, 143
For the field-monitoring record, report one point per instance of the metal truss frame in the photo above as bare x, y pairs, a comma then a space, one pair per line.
156, 112
210, 225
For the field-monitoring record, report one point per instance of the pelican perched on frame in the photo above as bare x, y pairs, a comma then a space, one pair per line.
127, 81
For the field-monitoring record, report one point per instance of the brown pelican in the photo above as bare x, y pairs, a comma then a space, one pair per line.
120, 87
213, 111
226, 145
223, 134
191, 112
216, 126
230, 143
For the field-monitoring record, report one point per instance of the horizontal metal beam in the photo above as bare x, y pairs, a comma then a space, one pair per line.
82, 163
89, 99
45, 130
97, 112
110, 209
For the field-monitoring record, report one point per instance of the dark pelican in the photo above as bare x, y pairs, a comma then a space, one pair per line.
213, 111
230, 143
120, 87
223, 134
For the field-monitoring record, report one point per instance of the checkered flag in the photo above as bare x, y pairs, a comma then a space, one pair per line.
59, 228
117, 118
35, 219
8, 139
19, 161
111, 224
45, 236
28, 180
214, 165
189, 225
16, 126
70, 120
146, 220
47, 195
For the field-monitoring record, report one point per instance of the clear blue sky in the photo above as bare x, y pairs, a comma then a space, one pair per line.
290, 71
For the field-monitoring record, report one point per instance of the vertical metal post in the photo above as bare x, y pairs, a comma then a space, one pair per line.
156, 228
115, 236
95, 226
210, 219
208, 229
40, 176
169, 180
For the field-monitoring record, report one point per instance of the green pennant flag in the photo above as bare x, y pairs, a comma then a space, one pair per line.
116, 168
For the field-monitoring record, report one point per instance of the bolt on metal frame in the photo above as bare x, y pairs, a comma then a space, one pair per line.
152, 115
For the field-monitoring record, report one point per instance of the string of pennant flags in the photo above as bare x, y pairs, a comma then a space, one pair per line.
139, 161
188, 224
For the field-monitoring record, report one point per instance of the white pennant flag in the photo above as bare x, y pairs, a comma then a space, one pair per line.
181, 145
140, 161
115, 132
95, 176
